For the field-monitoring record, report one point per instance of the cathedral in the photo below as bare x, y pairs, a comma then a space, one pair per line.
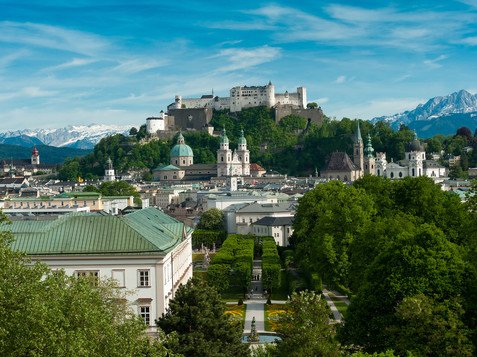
414, 164
229, 163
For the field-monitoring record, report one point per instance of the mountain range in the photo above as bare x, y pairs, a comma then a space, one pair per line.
73, 136
439, 115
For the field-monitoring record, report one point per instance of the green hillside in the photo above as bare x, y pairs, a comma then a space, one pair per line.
288, 147
48, 154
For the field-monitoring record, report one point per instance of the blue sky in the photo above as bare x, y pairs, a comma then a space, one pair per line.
118, 62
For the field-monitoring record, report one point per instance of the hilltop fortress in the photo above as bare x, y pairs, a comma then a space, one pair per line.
196, 113
244, 97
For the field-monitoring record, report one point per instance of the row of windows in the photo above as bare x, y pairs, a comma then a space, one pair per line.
143, 276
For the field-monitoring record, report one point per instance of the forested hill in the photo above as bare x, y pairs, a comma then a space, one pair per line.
285, 147
48, 154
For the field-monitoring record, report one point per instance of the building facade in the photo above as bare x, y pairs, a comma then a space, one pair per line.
233, 163
147, 253
244, 97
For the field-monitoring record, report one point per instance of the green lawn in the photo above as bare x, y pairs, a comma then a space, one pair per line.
341, 306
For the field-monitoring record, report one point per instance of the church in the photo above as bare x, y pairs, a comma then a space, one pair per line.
182, 168
340, 166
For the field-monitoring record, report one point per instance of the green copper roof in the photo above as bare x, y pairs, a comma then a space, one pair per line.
368, 150
147, 231
242, 140
167, 168
181, 149
224, 139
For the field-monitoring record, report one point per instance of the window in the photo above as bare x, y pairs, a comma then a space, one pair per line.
88, 274
119, 276
145, 312
400, 174
392, 174
251, 220
143, 278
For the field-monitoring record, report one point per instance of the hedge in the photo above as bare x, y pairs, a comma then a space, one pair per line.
207, 238
270, 264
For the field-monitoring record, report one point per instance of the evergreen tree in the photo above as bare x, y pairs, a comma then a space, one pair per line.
197, 315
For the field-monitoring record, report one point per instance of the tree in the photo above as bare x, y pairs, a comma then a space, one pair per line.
133, 131
326, 221
119, 188
427, 327
212, 219
312, 105
45, 313
464, 132
421, 261
305, 327
197, 315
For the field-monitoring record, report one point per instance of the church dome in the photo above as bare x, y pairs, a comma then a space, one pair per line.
415, 145
181, 149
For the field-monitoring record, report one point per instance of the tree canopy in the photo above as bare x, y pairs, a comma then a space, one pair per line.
196, 315
46, 313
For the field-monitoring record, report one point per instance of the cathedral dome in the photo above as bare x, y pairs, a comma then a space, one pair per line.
181, 149
415, 145
224, 139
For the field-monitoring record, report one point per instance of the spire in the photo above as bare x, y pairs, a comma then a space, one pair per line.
180, 139
368, 150
224, 139
242, 140
110, 164
358, 134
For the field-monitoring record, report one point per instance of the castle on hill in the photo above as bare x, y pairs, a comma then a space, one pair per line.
341, 167
244, 97
196, 113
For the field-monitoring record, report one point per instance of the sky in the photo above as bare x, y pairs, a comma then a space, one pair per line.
119, 62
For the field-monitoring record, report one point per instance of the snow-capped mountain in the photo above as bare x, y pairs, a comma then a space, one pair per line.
439, 115
77, 136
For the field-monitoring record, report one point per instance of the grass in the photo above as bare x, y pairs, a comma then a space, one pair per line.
341, 306
272, 312
197, 257
236, 312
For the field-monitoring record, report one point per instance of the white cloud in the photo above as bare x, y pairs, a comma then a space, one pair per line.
52, 37
75, 62
138, 65
26, 92
470, 41
340, 79
321, 101
435, 62
243, 58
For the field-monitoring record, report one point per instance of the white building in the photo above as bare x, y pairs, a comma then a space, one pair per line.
280, 228
240, 218
109, 174
245, 97
233, 163
147, 252
155, 124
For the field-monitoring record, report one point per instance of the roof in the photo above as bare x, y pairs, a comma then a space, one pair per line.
148, 231
274, 221
268, 207
242, 140
340, 161
167, 168
181, 150
256, 167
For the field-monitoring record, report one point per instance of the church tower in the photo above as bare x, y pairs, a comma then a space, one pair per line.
416, 155
369, 160
224, 156
243, 154
358, 150
109, 174
35, 156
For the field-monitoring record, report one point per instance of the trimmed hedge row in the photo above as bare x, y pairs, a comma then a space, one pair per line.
270, 264
207, 238
232, 265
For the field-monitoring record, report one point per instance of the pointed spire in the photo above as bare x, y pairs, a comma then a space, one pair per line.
358, 134
180, 138
242, 140
110, 164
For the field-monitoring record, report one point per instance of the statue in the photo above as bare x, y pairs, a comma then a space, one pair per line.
253, 337
206, 262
